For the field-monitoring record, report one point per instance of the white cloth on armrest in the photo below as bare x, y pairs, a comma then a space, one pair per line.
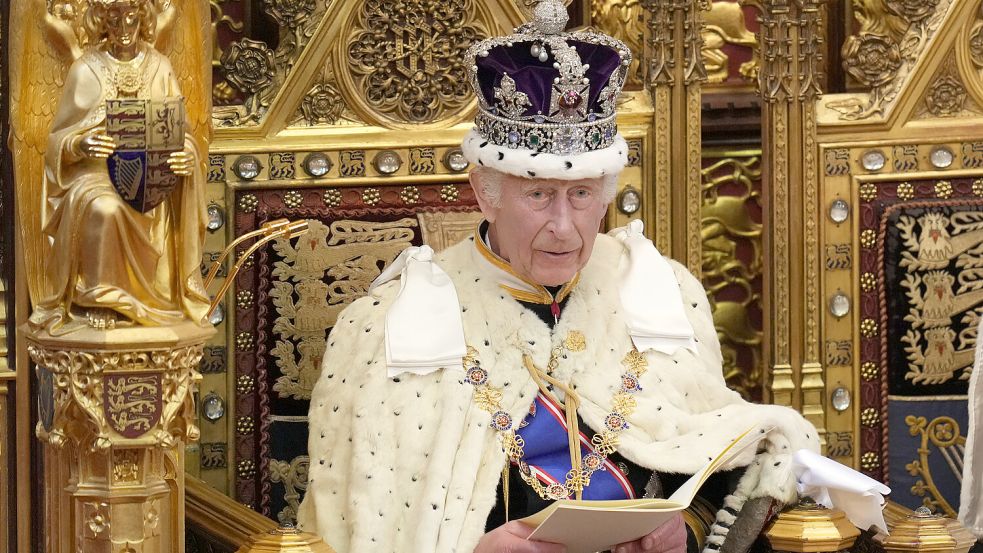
424, 332
650, 296
832, 484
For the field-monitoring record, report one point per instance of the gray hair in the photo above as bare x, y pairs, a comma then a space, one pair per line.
490, 181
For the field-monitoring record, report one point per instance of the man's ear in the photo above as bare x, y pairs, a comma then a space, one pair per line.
488, 210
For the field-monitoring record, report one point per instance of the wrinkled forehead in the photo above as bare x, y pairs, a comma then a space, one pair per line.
553, 184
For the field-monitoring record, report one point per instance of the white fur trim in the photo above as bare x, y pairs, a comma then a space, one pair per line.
523, 162
410, 463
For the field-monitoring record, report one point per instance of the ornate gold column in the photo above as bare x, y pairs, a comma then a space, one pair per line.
791, 42
115, 409
673, 35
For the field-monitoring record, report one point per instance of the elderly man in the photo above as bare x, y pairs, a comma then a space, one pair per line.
537, 360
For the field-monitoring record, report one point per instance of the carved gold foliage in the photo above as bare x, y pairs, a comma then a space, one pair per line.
941, 435
324, 103
729, 198
407, 57
258, 71
947, 95
98, 402
622, 19
892, 35
318, 275
293, 476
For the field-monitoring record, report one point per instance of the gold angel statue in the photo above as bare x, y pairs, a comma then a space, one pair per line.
92, 258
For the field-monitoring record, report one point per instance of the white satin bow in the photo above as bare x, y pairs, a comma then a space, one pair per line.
650, 296
424, 332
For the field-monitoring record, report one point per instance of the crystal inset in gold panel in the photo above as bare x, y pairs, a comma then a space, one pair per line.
317, 164
839, 210
455, 161
840, 399
839, 305
247, 167
873, 160
216, 217
629, 201
387, 162
212, 407
941, 157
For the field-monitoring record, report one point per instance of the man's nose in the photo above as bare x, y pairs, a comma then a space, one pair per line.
560, 216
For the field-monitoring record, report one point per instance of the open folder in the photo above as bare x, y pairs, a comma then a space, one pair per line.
589, 526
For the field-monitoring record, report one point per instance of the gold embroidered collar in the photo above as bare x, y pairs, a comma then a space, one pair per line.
519, 287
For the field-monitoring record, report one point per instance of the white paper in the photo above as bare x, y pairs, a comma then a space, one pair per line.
834, 485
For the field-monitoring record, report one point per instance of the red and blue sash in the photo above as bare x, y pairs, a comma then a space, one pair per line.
547, 452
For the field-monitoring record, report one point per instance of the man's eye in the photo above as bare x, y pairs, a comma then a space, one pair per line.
537, 195
581, 193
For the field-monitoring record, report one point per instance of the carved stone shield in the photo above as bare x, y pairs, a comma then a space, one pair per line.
132, 403
147, 132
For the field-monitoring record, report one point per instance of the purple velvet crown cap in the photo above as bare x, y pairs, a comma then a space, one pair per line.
547, 99
535, 78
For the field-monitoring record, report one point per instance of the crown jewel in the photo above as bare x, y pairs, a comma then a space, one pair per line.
548, 90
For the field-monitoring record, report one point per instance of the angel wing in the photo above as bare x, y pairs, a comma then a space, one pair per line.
39, 60
184, 36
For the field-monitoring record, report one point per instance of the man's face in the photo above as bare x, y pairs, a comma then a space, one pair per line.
123, 23
544, 228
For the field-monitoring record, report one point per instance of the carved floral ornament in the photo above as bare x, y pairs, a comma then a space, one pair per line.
323, 104
405, 58
947, 97
290, 13
872, 59
249, 65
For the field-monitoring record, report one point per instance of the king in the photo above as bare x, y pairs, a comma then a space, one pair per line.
538, 359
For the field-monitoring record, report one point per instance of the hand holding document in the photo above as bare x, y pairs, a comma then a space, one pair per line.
589, 526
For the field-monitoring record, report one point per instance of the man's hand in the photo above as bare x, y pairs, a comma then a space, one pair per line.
668, 538
511, 538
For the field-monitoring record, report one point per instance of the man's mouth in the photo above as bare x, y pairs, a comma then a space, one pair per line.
558, 255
